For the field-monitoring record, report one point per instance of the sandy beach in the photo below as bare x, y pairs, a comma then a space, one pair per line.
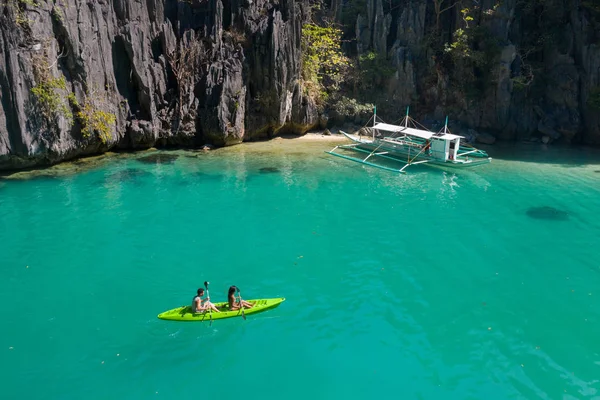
292, 144
315, 136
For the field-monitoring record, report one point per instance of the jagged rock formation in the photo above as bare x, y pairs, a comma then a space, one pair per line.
82, 77
543, 75
135, 74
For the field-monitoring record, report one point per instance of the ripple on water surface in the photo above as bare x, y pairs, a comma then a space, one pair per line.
433, 284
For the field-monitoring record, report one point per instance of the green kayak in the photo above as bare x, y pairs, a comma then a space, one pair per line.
185, 313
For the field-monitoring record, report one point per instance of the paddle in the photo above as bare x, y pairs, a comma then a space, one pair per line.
240, 300
208, 296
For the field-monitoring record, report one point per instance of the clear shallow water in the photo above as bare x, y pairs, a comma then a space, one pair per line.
428, 285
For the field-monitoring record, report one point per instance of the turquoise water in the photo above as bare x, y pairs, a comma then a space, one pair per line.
429, 285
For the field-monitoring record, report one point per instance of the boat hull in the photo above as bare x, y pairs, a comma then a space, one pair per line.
185, 313
399, 150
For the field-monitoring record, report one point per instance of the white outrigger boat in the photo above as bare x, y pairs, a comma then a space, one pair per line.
411, 143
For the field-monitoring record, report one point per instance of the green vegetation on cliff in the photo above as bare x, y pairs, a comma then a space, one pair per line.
473, 53
372, 70
48, 90
594, 99
19, 7
93, 119
323, 63
458, 51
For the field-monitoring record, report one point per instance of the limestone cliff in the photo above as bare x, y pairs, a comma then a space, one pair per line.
518, 69
79, 77
82, 77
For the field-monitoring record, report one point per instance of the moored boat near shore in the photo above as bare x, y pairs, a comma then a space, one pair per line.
411, 143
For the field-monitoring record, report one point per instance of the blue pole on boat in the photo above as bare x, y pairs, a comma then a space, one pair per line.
406, 122
446, 125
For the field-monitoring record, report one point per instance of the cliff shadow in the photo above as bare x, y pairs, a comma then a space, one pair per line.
185, 15
11, 123
123, 71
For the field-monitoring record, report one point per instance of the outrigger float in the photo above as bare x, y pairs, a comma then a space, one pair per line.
411, 144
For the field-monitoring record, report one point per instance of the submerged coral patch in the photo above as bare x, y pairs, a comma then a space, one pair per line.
269, 170
158, 158
548, 213
193, 178
128, 174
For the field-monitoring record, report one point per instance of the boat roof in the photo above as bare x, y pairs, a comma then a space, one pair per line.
422, 133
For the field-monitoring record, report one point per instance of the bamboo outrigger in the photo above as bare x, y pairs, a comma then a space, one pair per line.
412, 144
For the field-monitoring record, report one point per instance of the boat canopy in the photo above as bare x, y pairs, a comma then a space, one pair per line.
423, 134
449, 136
380, 126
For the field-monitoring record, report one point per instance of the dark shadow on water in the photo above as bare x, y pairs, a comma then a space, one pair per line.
158, 158
547, 213
269, 170
273, 171
568, 156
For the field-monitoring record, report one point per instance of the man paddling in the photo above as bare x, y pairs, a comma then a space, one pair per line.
198, 307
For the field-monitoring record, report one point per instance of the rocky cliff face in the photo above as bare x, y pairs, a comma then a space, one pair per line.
517, 69
80, 77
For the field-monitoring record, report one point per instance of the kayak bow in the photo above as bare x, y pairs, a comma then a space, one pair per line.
185, 313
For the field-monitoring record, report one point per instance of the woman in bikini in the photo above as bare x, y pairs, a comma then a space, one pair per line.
233, 303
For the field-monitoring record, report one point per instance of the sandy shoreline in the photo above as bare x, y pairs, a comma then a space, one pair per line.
314, 136
509, 155
287, 143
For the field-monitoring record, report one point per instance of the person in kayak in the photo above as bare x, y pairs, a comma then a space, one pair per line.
199, 305
233, 303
